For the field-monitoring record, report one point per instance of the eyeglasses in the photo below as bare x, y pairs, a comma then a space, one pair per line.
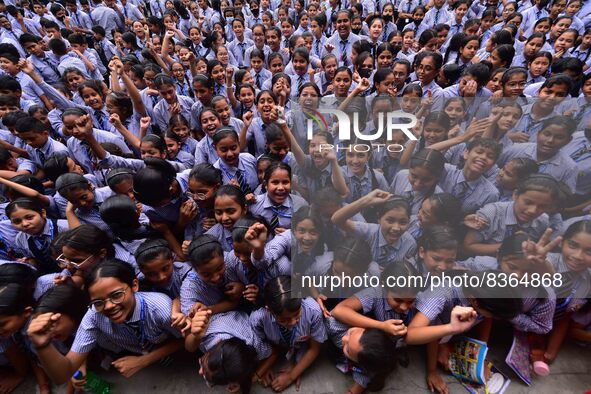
116, 298
62, 262
196, 196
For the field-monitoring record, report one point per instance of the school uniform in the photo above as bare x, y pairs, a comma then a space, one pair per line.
148, 326
255, 136
527, 124
336, 331
113, 161
245, 174
277, 215
531, 15
382, 252
39, 155
472, 194
539, 305
260, 77
184, 158
46, 66
205, 151
402, 187
8, 234
374, 303
91, 215
150, 101
363, 185
238, 49
223, 235
479, 263
573, 293
437, 305
314, 179
560, 166
342, 48
579, 150
435, 16
194, 289
502, 223
233, 324
172, 289
81, 152
169, 213
310, 326
162, 111
107, 18
38, 246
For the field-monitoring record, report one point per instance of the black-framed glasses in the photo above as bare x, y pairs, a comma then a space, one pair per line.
116, 297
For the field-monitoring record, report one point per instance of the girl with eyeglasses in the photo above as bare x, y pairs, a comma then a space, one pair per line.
133, 326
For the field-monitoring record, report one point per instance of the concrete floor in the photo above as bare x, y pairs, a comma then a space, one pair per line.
571, 373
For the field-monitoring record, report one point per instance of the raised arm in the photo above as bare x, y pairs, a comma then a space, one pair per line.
341, 218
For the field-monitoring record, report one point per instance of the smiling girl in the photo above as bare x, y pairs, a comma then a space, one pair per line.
388, 238
115, 302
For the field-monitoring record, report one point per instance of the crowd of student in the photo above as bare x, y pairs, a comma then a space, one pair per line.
161, 193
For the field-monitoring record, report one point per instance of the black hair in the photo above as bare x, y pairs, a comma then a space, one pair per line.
151, 184
540, 183
566, 123
487, 143
377, 356
277, 296
401, 269
69, 182
232, 361
30, 124
203, 249
502, 302
512, 246
151, 249
394, 203
25, 203
21, 274
438, 237
276, 165
111, 268
224, 132
65, 299
28, 180
582, 226
233, 192
446, 208
432, 160
14, 299
55, 165
524, 166
119, 175
120, 213
354, 253
89, 239
206, 173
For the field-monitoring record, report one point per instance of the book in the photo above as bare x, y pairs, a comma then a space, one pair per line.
518, 357
468, 364
467, 360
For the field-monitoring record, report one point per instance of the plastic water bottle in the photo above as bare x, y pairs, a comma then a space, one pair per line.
94, 384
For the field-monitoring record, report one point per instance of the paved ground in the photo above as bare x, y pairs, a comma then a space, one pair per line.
571, 373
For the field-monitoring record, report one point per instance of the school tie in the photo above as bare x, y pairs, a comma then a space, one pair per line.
49, 63
344, 52
258, 80
581, 154
538, 13
242, 50
317, 47
385, 254
511, 229
125, 11
300, 83
100, 118
41, 155
154, 100
90, 154
286, 334
242, 182
275, 219
408, 5
385, 33
39, 247
437, 17
579, 116
460, 190
356, 188
286, 43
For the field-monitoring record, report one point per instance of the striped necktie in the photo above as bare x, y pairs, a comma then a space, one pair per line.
242, 182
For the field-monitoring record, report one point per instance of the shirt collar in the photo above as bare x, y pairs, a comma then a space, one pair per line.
137, 310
